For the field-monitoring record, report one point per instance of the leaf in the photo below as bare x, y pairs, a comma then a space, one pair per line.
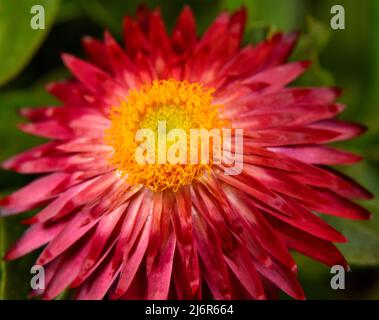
315, 278
14, 140
109, 14
284, 17
18, 41
14, 276
363, 235
366, 173
369, 98
309, 47
69, 10
362, 248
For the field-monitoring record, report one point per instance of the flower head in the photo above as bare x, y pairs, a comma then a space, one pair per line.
177, 104
114, 227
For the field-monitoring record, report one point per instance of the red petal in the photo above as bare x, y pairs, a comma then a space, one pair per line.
184, 34
71, 92
71, 233
283, 278
316, 248
47, 129
285, 97
244, 269
278, 77
290, 136
75, 197
344, 130
96, 52
57, 113
120, 62
97, 286
133, 261
336, 205
100, 246
159, 277
35, 237
298, 114
262, 231
134, 39
68, 269
96, 80
37, 192
283, 46
31, 154
209, 247
318, 154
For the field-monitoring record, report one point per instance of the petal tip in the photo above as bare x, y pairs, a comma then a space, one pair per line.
306, 64
67, 58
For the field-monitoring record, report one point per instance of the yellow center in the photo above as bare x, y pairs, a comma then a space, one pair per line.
180, 105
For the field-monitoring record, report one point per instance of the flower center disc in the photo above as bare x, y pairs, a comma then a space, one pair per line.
168, 104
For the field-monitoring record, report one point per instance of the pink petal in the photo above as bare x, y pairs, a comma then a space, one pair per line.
159, 277
318, 154
35, 237
37, 192
184, 34
122, 66
96, 52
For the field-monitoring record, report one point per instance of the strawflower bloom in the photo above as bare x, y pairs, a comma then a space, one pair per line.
116, 229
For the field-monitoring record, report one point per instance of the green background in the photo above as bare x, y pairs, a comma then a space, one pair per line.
347, 58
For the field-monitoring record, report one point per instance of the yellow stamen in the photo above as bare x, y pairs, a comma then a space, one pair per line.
181, 105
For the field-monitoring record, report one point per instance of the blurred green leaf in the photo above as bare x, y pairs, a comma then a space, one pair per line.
14, 276
285, 16
315, 278
14, 140
362, 248
366, 173
108, 13
372, 111
363, 236
18, 41
68, 10
309, 48
11, 101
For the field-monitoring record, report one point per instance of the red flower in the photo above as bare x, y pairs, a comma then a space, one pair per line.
116, 229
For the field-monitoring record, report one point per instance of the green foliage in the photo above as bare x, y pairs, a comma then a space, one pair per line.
14, 276
18, 41
309, 47
362, 249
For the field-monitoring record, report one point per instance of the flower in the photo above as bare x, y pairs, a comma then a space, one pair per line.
115, 228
